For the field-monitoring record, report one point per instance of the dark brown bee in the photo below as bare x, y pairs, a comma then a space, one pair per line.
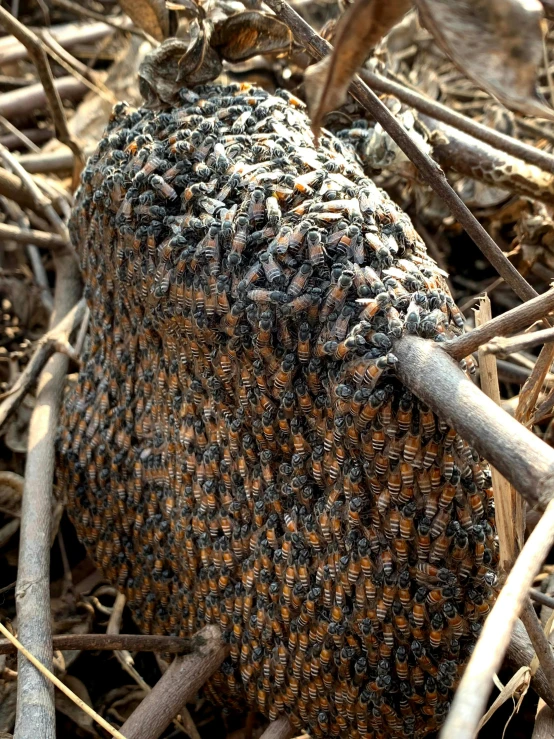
238, 449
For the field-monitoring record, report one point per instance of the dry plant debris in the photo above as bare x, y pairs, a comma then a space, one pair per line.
511, 196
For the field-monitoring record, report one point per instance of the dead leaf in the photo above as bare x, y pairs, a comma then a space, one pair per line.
358, 31
178, 63
150, 15
497, 43
248, 34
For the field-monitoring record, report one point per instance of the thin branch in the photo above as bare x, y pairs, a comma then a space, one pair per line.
42, 239
41, 202
521, 457
123, 656
183, 679
508, 323
520, 653
51, 342
48, 162
278, 729
503, 347
58, 683
40, 59
461, 122
109, 642
113, 22
529, 395
544, 600
538, 639
20, 136
471, 695
428, 168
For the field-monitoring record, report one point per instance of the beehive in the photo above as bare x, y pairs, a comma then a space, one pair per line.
238, 449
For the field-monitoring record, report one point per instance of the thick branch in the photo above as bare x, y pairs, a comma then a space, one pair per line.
183, 679
475, 686
522, 458
18, 103
35, 695
278, 729
428, 168
40, 238
461, 122
509, 322
468, 156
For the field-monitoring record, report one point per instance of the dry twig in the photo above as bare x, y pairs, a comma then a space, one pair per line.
472, 693
538, 640
504, 347
58, 683
40, 59
509, 506
57, 339
278, 729
181, 681
509, 322
109, 642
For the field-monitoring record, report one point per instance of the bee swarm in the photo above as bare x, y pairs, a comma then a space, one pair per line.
238, 450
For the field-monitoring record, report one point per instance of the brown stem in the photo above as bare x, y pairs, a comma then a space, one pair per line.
40, 59
461, 122
471, 696
544, 600
181, 681
509, 322
109, 642
428, 168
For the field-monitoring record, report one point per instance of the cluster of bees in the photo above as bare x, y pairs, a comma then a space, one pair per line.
238, 449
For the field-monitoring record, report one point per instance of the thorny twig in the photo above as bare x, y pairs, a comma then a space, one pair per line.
430, 171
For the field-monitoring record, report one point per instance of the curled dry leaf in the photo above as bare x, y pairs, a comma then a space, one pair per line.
497, 43
248, 34
177, 63
150, 15
358, 31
